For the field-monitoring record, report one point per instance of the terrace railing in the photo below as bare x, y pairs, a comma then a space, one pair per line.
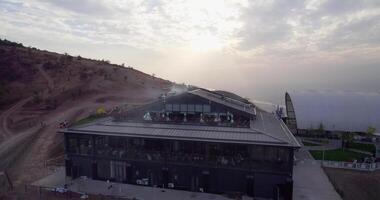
351, 165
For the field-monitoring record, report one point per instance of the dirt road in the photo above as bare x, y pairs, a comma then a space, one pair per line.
5, 133
26, 165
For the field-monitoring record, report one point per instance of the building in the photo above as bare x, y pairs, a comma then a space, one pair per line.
333, 111
198, 141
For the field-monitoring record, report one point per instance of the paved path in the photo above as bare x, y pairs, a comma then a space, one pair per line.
89, 186
139, 192
359, 151
333, 144
310, 181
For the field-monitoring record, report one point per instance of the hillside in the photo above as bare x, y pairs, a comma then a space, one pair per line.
26, 71
40, 89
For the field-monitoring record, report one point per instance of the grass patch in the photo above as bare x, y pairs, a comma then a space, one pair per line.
88, 119
337, 155
309, 144
363, 147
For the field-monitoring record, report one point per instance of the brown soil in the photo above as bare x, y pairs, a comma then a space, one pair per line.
42, 89
355, 185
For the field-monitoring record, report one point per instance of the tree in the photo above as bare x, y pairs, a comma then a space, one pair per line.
321, 129
101, 111
370, 131
347, 139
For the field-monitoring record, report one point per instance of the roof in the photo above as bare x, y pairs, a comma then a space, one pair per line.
337, 111
268, 123
179, 132
230, 102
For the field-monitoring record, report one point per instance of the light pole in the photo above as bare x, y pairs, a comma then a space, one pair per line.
323, 156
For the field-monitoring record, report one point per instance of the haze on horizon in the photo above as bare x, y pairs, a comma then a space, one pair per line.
258, 49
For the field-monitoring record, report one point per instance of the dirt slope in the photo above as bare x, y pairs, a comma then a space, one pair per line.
354, 185
39, 89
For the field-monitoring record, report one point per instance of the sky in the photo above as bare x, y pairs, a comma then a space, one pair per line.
257, 49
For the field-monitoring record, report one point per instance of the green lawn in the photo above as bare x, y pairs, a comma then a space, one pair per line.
337, 155
309, 144
363, 147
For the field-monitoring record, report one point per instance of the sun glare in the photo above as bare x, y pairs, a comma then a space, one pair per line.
205, 43
212, 23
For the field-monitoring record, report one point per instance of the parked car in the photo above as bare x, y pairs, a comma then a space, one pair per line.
59, 189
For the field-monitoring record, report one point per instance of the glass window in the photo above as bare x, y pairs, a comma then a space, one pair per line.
176, 146
73, 145
118, 171
206, 108
100, 141
257, 152
175, 107
116, 142
283, 155
270, 153
183, 107
198, 108
85, 146
104, 169
169, 107
191, 108
101, 145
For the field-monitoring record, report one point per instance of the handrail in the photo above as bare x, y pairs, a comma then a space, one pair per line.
351, 165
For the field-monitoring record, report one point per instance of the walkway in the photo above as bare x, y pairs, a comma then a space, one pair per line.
139, 192
90, 186
331, 145
310, 181
359, 151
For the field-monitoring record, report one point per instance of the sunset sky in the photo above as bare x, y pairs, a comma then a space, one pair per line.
258, 49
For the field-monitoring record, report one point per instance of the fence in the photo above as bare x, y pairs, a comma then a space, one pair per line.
350, 165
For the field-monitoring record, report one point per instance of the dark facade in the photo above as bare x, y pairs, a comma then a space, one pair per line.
136, 154
291, 120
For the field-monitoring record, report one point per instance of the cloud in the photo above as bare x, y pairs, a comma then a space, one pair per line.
360, 31
338, 8
260, 36
300, 28
245, 28
88, 7
265, 23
